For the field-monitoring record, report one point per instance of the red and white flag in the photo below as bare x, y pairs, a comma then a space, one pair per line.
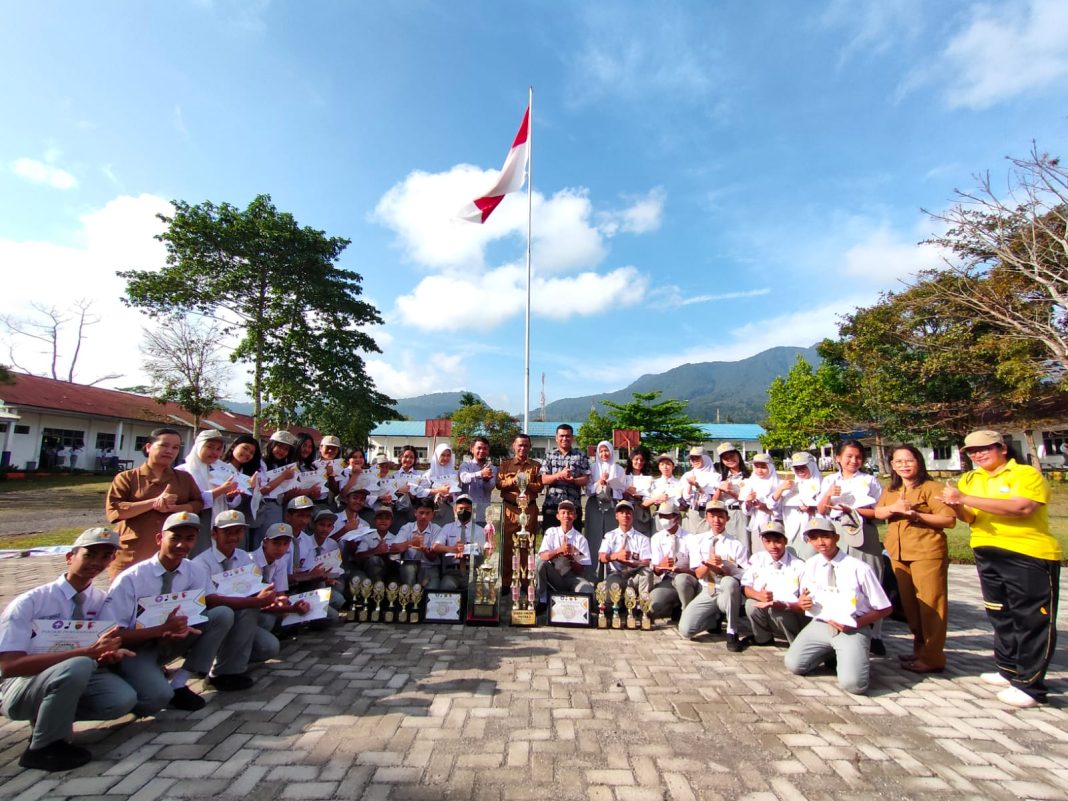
513, 174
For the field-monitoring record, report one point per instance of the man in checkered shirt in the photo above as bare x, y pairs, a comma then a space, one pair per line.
564, 474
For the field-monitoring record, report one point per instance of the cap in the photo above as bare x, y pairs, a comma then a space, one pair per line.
665, 457
284, 437
330, 442
696, 450
229, 519
179, 519
566, 505
761, 458
463, 498
354, 489
381, 459
209, 434
324, 513
624, 505
726, 447
383, 509
97, 536
668, 507
301, 503
799, 459
773, 529
819, 524
980, 439
717, 506
277, 531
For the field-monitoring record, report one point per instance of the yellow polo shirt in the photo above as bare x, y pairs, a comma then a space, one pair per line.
1027, 535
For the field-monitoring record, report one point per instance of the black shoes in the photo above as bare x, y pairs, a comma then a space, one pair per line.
186, 700
58, 755
878, 648
734, 645
765, 644
231, 682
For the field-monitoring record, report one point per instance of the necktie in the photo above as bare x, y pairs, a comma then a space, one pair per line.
79, 606
778, 565
832, 581
463, 532
167, 582
318, 550
228, 563
296, 550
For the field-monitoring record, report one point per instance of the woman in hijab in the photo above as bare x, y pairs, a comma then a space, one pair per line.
442, 483
696, 487
797, 495
604, 487
216, 484
758, 499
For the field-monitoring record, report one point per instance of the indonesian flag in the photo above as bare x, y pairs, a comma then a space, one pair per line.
513, 173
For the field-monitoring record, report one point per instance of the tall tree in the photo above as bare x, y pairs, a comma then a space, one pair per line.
662, 424
184, 362
48, 325
802, 409
475, 419
275, 285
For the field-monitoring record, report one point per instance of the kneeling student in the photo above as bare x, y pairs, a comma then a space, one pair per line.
169, 570
56, 688
272, 558
564, 557
311, 549
844, 598
674, 583
771, 584
448, 544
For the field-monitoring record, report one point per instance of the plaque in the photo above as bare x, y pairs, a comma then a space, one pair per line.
444, 606
571, 609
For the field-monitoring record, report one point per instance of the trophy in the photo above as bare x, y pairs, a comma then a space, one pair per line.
646, 602
417, 597
365, 593
601, 592
404, 594
391, 597
523, 598
378, 593
616, 593
630, 600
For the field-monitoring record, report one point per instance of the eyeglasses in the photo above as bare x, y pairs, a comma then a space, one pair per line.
903, 462
979, 449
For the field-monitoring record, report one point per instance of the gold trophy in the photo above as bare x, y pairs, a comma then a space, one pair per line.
391, 597
646, 602
417, 596
616, 592
404, 594
630, 599
601, 593
365, 593
378, 593
523, 613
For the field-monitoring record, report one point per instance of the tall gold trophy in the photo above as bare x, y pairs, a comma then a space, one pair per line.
523, 612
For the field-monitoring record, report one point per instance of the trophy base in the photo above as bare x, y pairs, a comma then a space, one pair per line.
524, 617
647, 624
484, 614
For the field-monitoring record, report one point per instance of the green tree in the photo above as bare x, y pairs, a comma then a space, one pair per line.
801, 408
475, 419
6, 376
298, 317
662, 424
469, 399
184, 364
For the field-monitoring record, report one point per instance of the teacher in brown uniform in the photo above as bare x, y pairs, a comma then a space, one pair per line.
139, 500
522, 463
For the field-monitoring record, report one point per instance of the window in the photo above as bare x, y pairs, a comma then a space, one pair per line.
3, 428
1053, 441
20, 429
105, 442
140, 442
537, 453
62, 437
941, 453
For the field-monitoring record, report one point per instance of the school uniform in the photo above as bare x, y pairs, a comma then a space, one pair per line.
143, 670
74, 689
478, 488
402, 502
415, 566
783, 578
640, 578
849, 578
694, 497
724, 597
559, 573
454, 570
308, 551
672, 590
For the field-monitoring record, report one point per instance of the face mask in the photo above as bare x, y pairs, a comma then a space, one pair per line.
663, 523
464, 515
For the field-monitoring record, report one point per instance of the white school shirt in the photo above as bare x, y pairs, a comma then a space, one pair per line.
671, 487
480, 489
662, 547
52, 601
734, 554
554, 539
307, 550
618, 540
406, 532
860, 486
415, 490
276, 573
145, 579
850, 575
762, 569
707, 481
212, 560
449, 535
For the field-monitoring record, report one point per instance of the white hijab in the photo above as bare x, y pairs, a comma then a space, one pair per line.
438, 470
615, 473
201, 471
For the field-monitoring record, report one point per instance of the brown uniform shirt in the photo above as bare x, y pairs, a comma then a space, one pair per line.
908, 540
506, 483
137, 535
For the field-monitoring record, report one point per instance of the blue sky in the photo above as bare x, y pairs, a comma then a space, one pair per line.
710, 179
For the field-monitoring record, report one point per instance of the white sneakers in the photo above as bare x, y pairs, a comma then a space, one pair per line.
1013, 696
996, 679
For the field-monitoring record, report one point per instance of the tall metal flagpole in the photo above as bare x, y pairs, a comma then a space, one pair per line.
530, 214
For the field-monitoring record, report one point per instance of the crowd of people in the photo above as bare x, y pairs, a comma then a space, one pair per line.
799, 554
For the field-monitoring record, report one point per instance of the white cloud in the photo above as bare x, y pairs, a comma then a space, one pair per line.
884, 256
404, 374
642, 216
872, 28
39, 172
178, 120
672, 295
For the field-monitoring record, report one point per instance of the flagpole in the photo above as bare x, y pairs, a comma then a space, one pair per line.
530, 214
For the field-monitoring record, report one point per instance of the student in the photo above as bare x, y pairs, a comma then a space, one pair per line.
478, 477
797, 496
448, 544
250, 639
242, 462
696, 487
626, 553
771, 585
273, 559
637, 484
276, 491
605, 487
364, 549
354, 514
718, 559
564, 560
154, 646
329, 453
843, 597
56, 688
298, 517
665, 487
405, 483
139, 500
313, 545
216, 485
733, 473
1018, 560
410, 549
674, 585
758, 499
441, 482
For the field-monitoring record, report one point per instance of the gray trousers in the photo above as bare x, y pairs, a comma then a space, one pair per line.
142, 670
673, 592
549, 578
75, 689
767, 622
245, 643
818, 640
701, 613
641, 579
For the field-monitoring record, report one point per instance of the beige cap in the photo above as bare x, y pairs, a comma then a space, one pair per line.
761, 458
284, 437
354, 489
667, 508
231, 518
324, 513
179, 519
717, 506
980, 439
301, 503
819, 524
330, 442
774, 528
726, 447
97, 536
696, 450
624, 505
278, 530
383, 509
381, 459
665, 457
799, 459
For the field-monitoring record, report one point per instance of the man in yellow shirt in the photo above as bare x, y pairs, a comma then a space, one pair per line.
1018, 562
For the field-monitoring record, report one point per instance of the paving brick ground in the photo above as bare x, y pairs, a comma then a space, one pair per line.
372, 711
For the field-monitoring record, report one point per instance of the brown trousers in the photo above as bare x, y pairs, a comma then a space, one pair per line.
923, 585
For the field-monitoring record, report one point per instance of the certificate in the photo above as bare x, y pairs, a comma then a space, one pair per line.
643, 484
271, 475
52, 636
154, 609
240, 582
318, 600
310, 479
782, 584
444, 607
331, 560
243, 482
835, 606
566, 609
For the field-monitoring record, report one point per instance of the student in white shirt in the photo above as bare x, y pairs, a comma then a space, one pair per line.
758, 498
315, 542
603, 488
216, 484
364, 549
410, 547
626, 552
637, 484
665, 487
55, 688
797, 495
733, 472
771, 585
695, 490
405, 482
718, 559
843, 597
674, 585
564, 558
448, 544
273, 558
441, 482
478, 478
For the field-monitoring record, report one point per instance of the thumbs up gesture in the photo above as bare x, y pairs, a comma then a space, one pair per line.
166, 501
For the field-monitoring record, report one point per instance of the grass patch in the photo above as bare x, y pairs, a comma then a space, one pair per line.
83, 483
59, 536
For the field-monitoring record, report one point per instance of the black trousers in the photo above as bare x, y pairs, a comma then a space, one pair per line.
1020, 594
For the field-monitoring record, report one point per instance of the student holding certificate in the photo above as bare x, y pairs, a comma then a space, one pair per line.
771, 585
55, 683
